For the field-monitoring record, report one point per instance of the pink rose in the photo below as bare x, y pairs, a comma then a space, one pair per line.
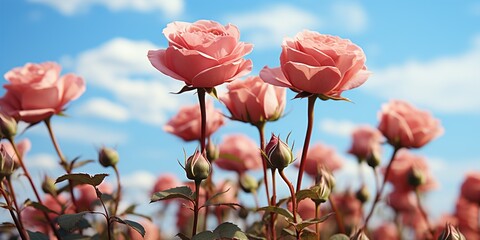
471, 187
406, 126
318, 64
402, 201
165, 182
386, 231
23, 147
151, 231
404, 165
186, 124
468, 218
88, 195
254, 101
239, 153
203, 54
36, 91
321, 156
366, 141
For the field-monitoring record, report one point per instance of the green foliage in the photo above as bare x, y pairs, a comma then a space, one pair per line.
282, 211
183, 192
223, 231
83, 178
132, 224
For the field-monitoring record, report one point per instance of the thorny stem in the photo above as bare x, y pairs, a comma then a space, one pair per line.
29, 178
294, 199
338, 215
63, 161
311, 115
423, 212
380, 191
196, 207
16, 220
107, 217
203, 113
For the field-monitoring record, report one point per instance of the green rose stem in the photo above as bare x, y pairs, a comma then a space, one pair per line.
311, 115
380, 191
423, 212
18, 223
294, 199
119, 191
29, 178
196, 207
63, 161
317, 225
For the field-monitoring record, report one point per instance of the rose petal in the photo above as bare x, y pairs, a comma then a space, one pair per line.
220, 74
73, 87
157, 59
35, 115
292, 55
319, 80
274, 76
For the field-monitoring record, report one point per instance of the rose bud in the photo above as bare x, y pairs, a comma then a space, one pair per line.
7, 165
197, 167
363, 194
451, 233
48, 186
322, 189
212, 151
416, 177
278, 153
108, 157
248, 183
8, 126
359, 236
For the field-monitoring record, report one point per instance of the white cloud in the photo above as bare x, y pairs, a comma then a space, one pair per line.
104, 108
71, 7
447, 84
121, 67
341, 128
349, 16
268, 27
42, 161
142, 180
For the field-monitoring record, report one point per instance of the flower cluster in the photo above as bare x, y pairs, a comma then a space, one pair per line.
246, 204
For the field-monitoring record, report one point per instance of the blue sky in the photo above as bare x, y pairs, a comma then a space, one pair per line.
425, 52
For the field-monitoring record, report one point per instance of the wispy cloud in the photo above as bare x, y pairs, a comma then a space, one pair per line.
120, 66
267, 27
104, 108
447, 84
72, 7
351, 17
341, 128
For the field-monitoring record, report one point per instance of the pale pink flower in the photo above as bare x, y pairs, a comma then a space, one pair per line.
254, 101
321, 156
239, 153
202, 54
386, 231
152, 232
406, 126
186, 124
366, 141
318, 64
35, 92
471, 187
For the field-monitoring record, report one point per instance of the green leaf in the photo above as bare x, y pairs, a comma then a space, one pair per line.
183, 192
41, 207
308, 235
77, 164
339, 236
209, 201
212, 91
83, 178
305, 223
206, 235
182, 236
37, 235
223, 231
132, 224
70, 222
282, 211
184, 89
305, 193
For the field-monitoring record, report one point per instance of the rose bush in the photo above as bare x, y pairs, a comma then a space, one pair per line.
202, 54
318, 64
35, 92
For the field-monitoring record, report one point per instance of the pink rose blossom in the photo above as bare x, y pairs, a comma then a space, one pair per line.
254, 101
402, 201
239, 153
318, 64
87, 195
366, 141
165, 182
23, 147
386, 231
321, 156
151, 231
403, 164
187, 123
471, 187
406, 126
203, 54
35, 92
468, 215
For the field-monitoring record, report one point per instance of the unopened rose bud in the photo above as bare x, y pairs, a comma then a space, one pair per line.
373, 160
322, 190
197, 167
278, 153
359, 236
248, 183
7, 164
451, 233
327, 175
212, 151
8, 126
416, 177
48, 186
108, 157
243, 213
363, 194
